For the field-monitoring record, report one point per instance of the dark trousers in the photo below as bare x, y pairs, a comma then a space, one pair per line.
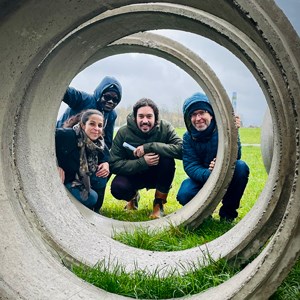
231, 201
158, 177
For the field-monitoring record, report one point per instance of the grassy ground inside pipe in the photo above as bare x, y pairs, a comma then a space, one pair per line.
142, 285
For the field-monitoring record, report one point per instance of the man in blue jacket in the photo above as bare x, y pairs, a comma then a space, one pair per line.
200, 145
106, 97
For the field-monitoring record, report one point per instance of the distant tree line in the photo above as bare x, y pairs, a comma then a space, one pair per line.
175, 117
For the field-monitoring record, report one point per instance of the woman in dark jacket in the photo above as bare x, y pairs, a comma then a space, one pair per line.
82, 158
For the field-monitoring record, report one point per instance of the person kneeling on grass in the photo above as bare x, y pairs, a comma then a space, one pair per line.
83, 159
150, 163
200, 145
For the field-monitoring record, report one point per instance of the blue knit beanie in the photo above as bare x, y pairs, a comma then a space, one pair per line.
198, 101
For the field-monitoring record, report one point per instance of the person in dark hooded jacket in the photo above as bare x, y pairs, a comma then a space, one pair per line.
106, 97
200, 145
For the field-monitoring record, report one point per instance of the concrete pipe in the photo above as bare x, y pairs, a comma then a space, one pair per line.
38, 45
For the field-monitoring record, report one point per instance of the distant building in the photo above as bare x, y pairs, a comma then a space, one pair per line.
234, 102
234, 106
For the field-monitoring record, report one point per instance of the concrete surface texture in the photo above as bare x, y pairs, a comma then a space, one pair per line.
43, 46
267, 140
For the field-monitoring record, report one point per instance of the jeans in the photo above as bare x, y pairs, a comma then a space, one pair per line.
231, 201
159, 177
97, 184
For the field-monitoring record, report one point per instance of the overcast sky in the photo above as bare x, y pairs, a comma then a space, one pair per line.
143, 75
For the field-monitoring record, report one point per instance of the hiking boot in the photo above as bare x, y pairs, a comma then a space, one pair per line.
133, 204
158, 209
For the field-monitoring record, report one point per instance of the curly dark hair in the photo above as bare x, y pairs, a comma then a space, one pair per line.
146, 102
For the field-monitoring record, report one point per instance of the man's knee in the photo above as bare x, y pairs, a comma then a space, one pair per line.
120, 188
116, 188
182, 198
187, 191
241, 169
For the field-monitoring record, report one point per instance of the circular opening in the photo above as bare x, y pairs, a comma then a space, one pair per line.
159, 48
169, 86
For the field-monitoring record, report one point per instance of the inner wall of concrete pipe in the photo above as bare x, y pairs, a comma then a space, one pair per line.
26, 139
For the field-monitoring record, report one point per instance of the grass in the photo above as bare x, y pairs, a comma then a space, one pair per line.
113, 208
140, 285
175, 238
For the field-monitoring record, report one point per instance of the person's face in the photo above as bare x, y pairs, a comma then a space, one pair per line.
201, 119
145, 118
109, 101
93, 127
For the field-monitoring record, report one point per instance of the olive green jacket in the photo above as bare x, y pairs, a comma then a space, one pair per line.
161, 139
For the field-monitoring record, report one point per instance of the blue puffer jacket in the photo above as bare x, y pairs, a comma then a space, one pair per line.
199, 148
79, 101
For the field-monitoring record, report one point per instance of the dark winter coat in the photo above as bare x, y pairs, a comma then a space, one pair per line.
67, 152
162, 139
199, 148
79, 101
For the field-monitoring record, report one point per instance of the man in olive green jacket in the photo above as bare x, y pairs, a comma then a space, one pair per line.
142, 156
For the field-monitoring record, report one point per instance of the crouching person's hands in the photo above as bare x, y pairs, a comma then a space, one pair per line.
151, 159
103, 170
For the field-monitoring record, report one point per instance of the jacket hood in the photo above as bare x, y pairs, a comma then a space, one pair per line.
106, 83
195, 102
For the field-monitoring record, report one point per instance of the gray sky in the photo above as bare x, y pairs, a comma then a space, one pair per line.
149, 76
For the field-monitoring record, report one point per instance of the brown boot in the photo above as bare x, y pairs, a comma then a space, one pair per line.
158, 205
133, 203
158, 209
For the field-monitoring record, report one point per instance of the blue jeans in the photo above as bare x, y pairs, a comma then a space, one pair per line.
231, 201
97, 183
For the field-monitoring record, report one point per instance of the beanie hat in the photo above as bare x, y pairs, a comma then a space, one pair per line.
199, 105
198, 101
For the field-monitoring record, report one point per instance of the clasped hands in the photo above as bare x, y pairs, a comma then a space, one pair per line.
152, 159
103, 170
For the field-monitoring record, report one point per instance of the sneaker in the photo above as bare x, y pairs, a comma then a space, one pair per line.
133, 204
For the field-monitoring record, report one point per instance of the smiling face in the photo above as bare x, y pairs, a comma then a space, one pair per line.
93, 127
145, 118
109, 101
201, 119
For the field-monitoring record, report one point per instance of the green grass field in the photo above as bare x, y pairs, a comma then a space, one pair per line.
251, 154
140, 285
